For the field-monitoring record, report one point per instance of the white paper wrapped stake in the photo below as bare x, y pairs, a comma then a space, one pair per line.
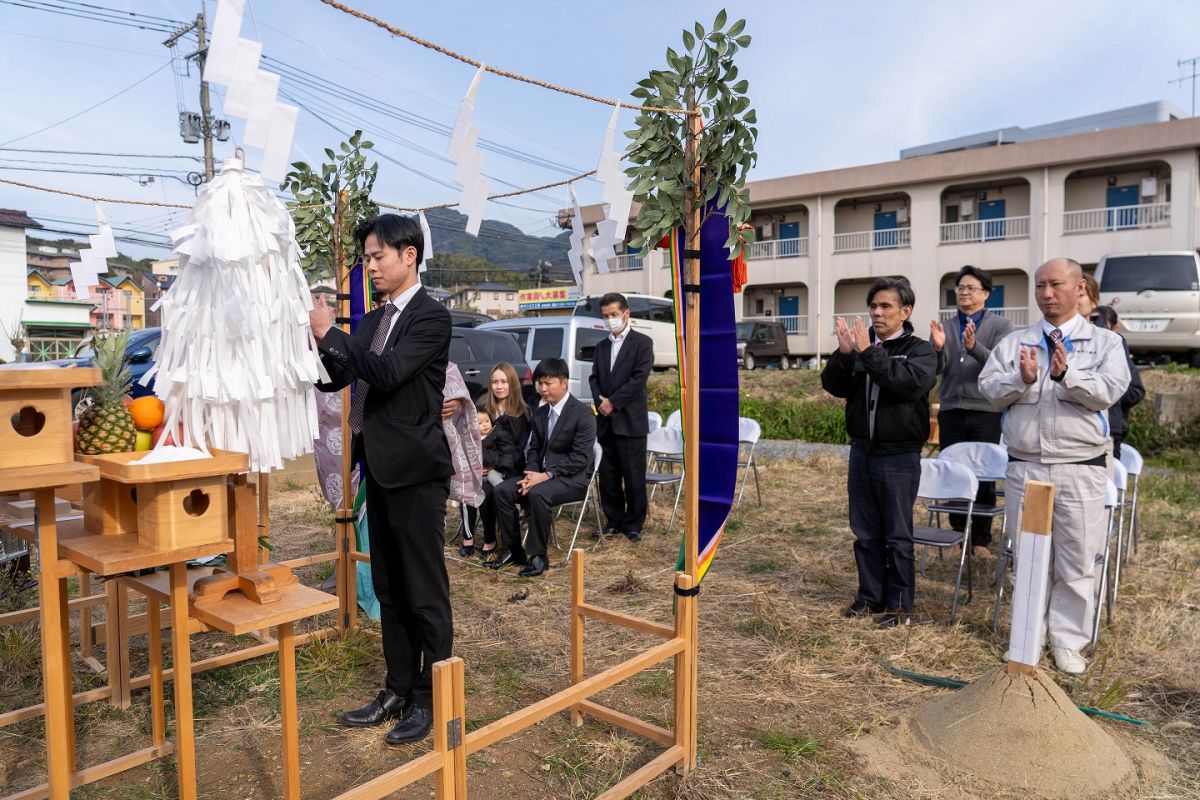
1032, 587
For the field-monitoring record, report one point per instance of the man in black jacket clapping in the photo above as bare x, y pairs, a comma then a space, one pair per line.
885, 375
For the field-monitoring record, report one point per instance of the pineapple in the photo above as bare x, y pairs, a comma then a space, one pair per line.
106, 426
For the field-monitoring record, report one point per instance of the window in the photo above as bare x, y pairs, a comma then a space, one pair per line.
508, 296
951, 214
586, 340
460, 353
547, 343
1161, 273
496, 296
758, 306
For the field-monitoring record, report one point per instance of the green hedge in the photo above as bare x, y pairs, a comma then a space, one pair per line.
820, 420
1153, 438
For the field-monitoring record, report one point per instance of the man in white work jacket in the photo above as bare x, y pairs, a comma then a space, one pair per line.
1055, 381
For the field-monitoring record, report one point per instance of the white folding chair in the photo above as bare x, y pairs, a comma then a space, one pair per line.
1120, 479
1112, 499
654, 420
1131, 459
943, 481
988, 461
675, 420
749, 432
593, 491
674, 423
666, 444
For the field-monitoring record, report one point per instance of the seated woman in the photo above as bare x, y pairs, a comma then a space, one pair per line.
504, 445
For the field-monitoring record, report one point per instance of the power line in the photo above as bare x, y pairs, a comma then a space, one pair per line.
106, 153
89, 108
82, 13
142, 174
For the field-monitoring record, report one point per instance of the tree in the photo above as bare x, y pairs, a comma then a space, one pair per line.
702, 77
344, 180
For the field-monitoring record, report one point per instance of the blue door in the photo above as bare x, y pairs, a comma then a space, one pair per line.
886, 235
992, 210
995, 298
1119, 200
789, 310
789, 240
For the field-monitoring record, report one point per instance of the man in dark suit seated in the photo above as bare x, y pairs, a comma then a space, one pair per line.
559, 463
397, 363
620, 367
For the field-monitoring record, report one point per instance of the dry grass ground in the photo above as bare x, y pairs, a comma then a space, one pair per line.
786, 685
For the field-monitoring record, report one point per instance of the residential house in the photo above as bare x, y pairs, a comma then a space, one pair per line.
1006, 201
13, 277
494, 299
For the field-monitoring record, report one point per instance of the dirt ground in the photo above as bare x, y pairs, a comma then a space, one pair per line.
787, 688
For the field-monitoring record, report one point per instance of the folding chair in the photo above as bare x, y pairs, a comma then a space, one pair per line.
675, 420
593, 490
989, 462
749, 432
674, 423
1132, 460
654, 420
1120, 479
943, 481
666, 444
1111, 501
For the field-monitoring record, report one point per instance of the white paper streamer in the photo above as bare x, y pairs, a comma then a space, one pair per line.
617, 200
237, 361
468, 169
576, 255
93, 260
427, 252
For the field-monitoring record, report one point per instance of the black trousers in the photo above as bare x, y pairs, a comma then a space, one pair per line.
540, 502
960, 425
623, 481
882, 490
407, 527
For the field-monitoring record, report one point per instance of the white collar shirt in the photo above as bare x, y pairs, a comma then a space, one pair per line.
1068, 328
617, 341
401, 302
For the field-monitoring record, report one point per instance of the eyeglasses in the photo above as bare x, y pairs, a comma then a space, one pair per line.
967, 289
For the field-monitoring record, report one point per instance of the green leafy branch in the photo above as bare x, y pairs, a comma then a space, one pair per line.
315, 195
704, 73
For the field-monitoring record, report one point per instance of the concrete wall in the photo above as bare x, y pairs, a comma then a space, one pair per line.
854, 216
1016, 199
1092, 191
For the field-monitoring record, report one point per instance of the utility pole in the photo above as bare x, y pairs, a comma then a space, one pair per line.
1193, 63
206, 121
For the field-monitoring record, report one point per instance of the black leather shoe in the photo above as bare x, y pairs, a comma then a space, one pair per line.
609, 531
536, 566
388, 705
506, 558
467, 550
859, 609
633, 536
415, 725
893, 619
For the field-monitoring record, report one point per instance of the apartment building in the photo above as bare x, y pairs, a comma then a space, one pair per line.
1004, 200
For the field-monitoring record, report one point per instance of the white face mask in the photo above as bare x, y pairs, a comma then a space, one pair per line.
615, 324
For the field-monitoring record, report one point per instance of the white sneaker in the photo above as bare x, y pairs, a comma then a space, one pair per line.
1069, 661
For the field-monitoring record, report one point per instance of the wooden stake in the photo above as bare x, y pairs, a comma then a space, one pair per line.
346, 585
157, 712
577, 598
1031, 587
443, 713
459, 754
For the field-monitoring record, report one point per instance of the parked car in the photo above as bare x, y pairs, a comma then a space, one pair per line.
761, 342
653, 316
139, 357
460, 318
1157, 295
476, 351
572, 339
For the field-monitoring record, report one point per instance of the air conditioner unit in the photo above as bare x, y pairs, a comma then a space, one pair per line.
902, 215
768, 230
1149, 187
966, 206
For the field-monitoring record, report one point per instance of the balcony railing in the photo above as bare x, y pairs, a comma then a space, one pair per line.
871, 240
1119, 218
985, 230
1018, 315
778, 248
795, 325
866, 319
630, 262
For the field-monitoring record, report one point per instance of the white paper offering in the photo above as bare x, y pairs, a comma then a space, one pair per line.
171, 453
468, 169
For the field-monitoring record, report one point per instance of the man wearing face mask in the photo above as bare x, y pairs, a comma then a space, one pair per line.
620, 367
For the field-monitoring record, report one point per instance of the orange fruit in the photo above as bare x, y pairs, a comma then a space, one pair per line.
147, 413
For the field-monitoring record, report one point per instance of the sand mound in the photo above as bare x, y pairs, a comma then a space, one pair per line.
1025, 733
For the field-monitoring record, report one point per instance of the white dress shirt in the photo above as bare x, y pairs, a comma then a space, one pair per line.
1068, 328
400, 302
617, 341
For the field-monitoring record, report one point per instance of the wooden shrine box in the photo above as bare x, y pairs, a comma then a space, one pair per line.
35, 414
179, 504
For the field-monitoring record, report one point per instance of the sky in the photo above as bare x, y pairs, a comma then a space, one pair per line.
834, 85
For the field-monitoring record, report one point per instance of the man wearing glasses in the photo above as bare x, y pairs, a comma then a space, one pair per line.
963, 344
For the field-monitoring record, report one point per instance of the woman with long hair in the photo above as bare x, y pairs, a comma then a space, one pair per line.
504, 445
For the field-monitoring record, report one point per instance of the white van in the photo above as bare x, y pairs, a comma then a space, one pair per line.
572, 339
1157, 296
653, 316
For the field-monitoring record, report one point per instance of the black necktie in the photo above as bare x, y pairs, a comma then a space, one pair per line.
358, 404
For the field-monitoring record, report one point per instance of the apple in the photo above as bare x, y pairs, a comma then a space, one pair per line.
144, 441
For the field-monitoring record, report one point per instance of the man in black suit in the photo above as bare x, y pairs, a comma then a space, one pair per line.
397, 363
620, 367
558, 462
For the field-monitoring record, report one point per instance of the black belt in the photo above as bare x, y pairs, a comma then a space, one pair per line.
1099, 461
